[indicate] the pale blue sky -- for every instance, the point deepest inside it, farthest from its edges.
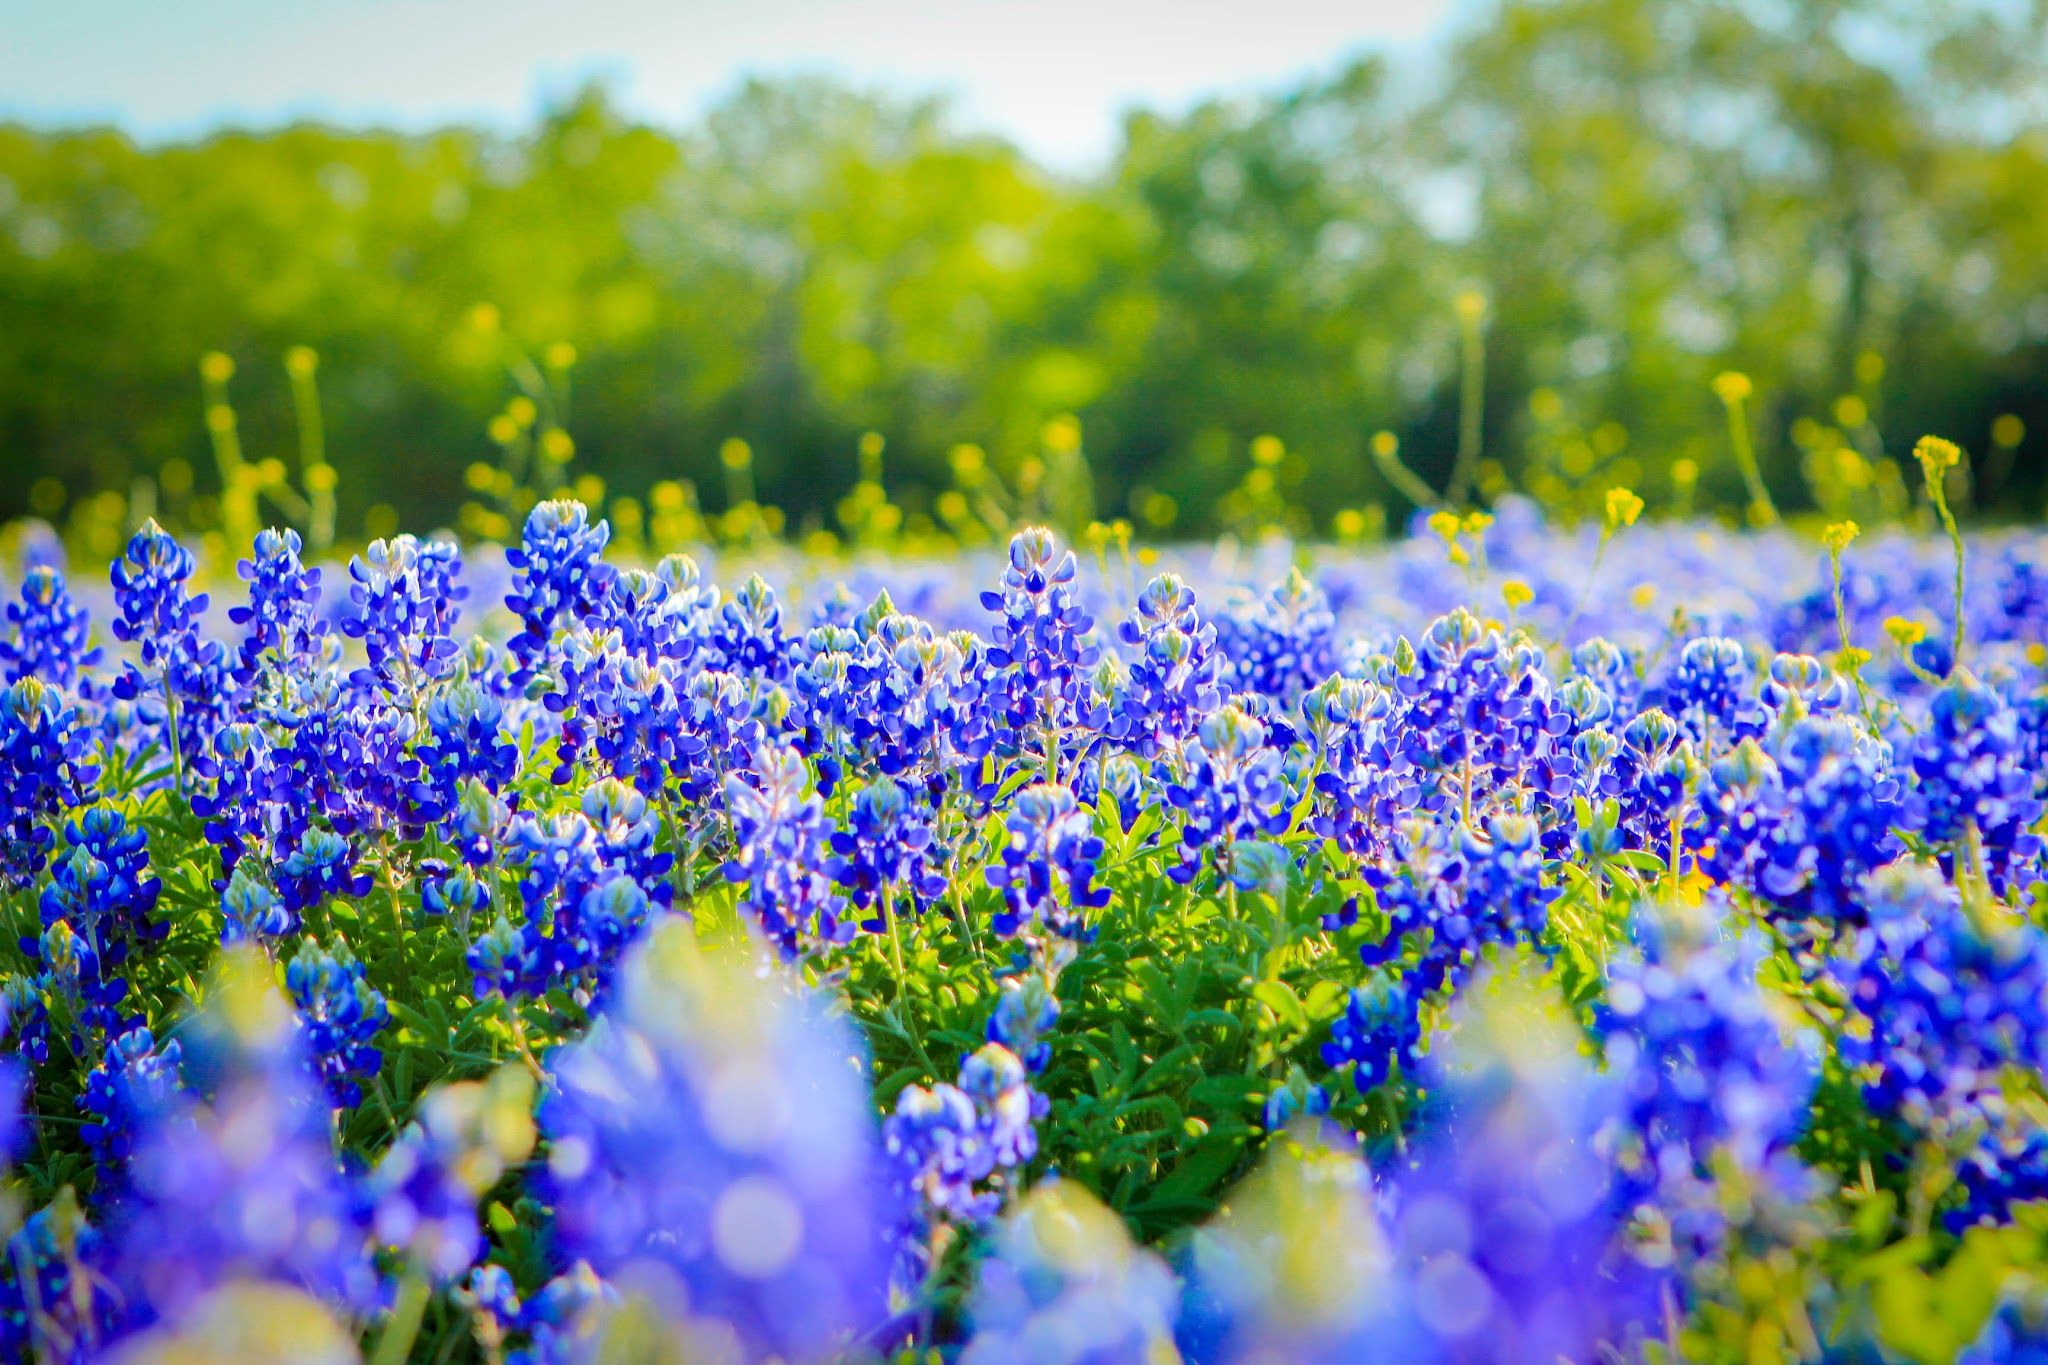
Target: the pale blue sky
(1051, 74)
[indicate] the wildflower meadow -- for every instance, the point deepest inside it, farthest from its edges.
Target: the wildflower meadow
(1535, 938)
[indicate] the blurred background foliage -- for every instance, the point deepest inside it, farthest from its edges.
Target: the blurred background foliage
(1552, 238)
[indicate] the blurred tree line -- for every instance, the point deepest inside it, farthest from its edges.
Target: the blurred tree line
(1843, 199)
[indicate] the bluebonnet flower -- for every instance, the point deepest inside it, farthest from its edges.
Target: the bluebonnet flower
(188, 674)
(47, 632)
(1613, 670)
(561, 865)
(238, 808)
(929, 711)
(1971, 793)
(1456, 892)
(505, 962)
(136, 1078)
(25, 1002)
(837, 691)
(102, 896)
(633, 712)
(465, 740)
(477, 824)
(314, 759)
(157, 615)
(381, 773)
(42, 772)
(936, 1141)
(1380, 1029)
(1283, 644)
(423, 1193)
(562, 1322)
(1707, 1075)
(237, 1178)
(590, 880)
(1295, 1098)
(783, 858)
(1051, 846)
(559, 575)
(1174, 679)
(405, 598)
(1477, 724)
(713, 1131)
(1026, 1010)
(746, 635)
(322, 866)
(339, 1017)
(1065, 1286)
(1365, 781)
(1509, 1240)
(251, 912)
(624, 825)
(55, 1303)
(999, 1084)
(731, 722)
(1234, 790)
(1940, 1007)
(1801, 685)
(281, 622)
(455, 891)
(1802, 822)
(1299, 1267)
(2008, 1165)
(1041, 651)
(885, 853)
(1650, 769)
(958, 1149)
(1712, 690)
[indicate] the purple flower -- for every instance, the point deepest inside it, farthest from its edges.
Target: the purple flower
(712, 1133)
(49, 631)
(783, 860)
(1046, 866)
(559, 575)
(339, 1016)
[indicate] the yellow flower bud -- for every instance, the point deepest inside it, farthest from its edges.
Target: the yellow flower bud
(1838, 535)
(1905, 634)
(1732, 386)
(1623, 507)
(1936, 454)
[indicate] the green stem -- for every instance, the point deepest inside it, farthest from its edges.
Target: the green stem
(1760, 502)
(396, 1343)
(519, 1044)
(1939, 494)
(398, 929)
(171, 726)
(1471, 409)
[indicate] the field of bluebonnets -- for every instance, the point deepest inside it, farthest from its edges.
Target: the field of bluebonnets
(1523, 941)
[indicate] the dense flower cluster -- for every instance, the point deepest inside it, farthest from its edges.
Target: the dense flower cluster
(821, 944)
